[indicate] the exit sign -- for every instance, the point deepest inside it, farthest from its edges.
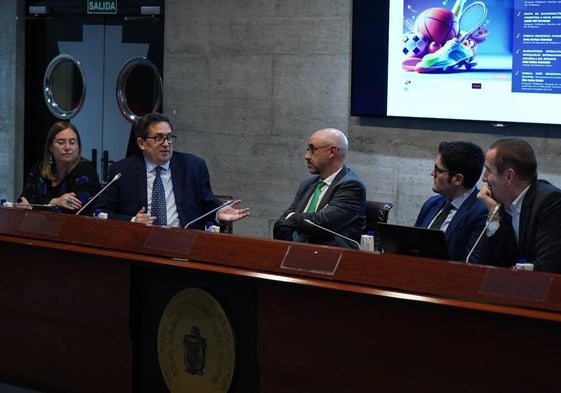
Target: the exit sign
(102, 7)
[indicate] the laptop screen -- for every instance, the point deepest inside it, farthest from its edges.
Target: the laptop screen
(415, 241)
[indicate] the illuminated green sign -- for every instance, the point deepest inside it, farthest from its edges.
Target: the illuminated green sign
(102, 7)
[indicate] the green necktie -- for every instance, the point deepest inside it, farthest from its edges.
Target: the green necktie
(441, 217)
(315, 198)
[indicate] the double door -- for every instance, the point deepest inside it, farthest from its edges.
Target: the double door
(99, 72)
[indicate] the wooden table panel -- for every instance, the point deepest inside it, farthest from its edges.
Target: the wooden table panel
(81, 299)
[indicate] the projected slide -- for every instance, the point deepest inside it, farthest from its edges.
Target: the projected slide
(536, 65)
(495, 60)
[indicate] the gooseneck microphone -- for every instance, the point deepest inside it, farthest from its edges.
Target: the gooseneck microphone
(332, 232)
(228, 202)
(115, 178)
(37, 205)
(19, 205)
(489, 220)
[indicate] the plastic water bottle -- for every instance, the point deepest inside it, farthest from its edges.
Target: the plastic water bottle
(367, 241)
(523, 265)
(210, 227)
(99, 214)
(4, 202)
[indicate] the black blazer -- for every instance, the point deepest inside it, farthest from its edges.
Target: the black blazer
(540, 232)
(341, 210)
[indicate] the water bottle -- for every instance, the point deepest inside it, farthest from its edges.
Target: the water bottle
(99, 214)
(4, 202)
(367, 241)
(210, 227)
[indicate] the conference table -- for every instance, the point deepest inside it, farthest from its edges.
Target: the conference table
(94, 305)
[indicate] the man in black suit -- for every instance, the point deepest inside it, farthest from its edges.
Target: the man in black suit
(333, 199)
(185, 180)
(529, 226)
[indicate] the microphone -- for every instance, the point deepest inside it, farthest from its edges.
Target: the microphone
(332, 232)
(489, 220)
(27, 206)
(37, 205)
(228, 202)
(115, 178)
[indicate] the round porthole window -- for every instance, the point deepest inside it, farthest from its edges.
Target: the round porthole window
(64, 86)
(139, 88)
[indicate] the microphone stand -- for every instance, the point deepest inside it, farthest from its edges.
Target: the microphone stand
(332, 232)
(45, 205)
(115, 178)
(489, 220)
(37, 205)
(29, 206)
(228, 202)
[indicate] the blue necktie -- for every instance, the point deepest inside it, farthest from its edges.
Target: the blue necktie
(159, 200)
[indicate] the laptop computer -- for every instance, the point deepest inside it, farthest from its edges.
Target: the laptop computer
(415, 241)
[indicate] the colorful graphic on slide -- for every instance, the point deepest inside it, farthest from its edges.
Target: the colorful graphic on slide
(438, 39)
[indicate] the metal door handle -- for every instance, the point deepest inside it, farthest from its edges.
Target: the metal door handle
(105, 165)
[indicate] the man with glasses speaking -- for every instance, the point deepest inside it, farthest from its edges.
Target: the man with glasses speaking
(456, 209)
(161, 187)
(329, 207)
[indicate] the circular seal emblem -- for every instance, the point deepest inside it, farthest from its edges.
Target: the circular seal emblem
(196, 347)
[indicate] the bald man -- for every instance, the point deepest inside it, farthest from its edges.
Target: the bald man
(333, 198)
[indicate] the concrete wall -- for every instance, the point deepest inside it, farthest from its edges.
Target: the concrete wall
(247, 81)
(11, 99)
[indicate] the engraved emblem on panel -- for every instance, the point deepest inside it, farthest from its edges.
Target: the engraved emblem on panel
(194, 347)
(196, 344)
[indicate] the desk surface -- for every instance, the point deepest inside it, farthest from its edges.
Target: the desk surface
(485, 288)
(90, 293)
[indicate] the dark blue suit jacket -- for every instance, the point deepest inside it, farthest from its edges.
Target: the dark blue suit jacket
(463, 230)
(341, 210)
(191, 188)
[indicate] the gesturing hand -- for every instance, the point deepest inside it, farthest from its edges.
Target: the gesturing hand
(229, 213)
(143, 218)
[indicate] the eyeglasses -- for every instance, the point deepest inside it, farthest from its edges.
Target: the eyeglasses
(160, 138)
(312, 149)
(440, 170)
(63, 142)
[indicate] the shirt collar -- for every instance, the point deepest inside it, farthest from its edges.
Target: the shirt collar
(457, 202)
(328, 180)
(150, 165)
(516, 205)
